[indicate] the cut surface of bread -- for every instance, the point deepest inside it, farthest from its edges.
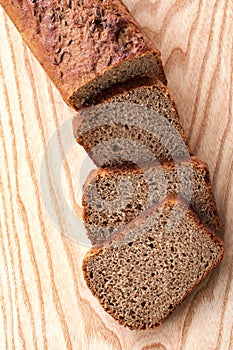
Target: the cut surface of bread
(113, 197)
(137, 90)
(146, 270)
(137, 122)
(85, 46)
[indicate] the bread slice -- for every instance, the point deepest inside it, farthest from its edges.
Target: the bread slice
(113, 197)
(141, 275)
(125, 125)
(137, 90)
(85, 46)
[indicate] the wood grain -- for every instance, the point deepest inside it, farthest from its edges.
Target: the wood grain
(44, 302)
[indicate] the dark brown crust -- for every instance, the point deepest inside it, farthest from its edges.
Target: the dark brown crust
(172, 199)
(65, 41)
(134, 169)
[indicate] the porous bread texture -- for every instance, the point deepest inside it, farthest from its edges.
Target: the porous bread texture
(144, 91)
(85, 46)
(127, 126)
(147, 269)
(113, 197)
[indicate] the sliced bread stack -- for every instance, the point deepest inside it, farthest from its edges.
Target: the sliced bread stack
(151, 215)
(148, 208)
(150, 212)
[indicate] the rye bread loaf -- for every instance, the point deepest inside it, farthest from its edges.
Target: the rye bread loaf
(147, 269)
(125, 125)
(86, 45)
(113, 197)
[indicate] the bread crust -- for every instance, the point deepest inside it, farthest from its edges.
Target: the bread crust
(78, 43)
(98, 249)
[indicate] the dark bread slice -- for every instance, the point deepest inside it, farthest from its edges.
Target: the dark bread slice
(124, 125)
(113, 197)
(131, 90)
(147, 269)
(85, 46)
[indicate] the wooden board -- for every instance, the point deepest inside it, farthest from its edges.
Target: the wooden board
(44, 302)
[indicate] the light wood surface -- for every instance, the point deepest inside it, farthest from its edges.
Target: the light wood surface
(44, 302)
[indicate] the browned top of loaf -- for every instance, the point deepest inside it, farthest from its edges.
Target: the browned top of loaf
(76, 41)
